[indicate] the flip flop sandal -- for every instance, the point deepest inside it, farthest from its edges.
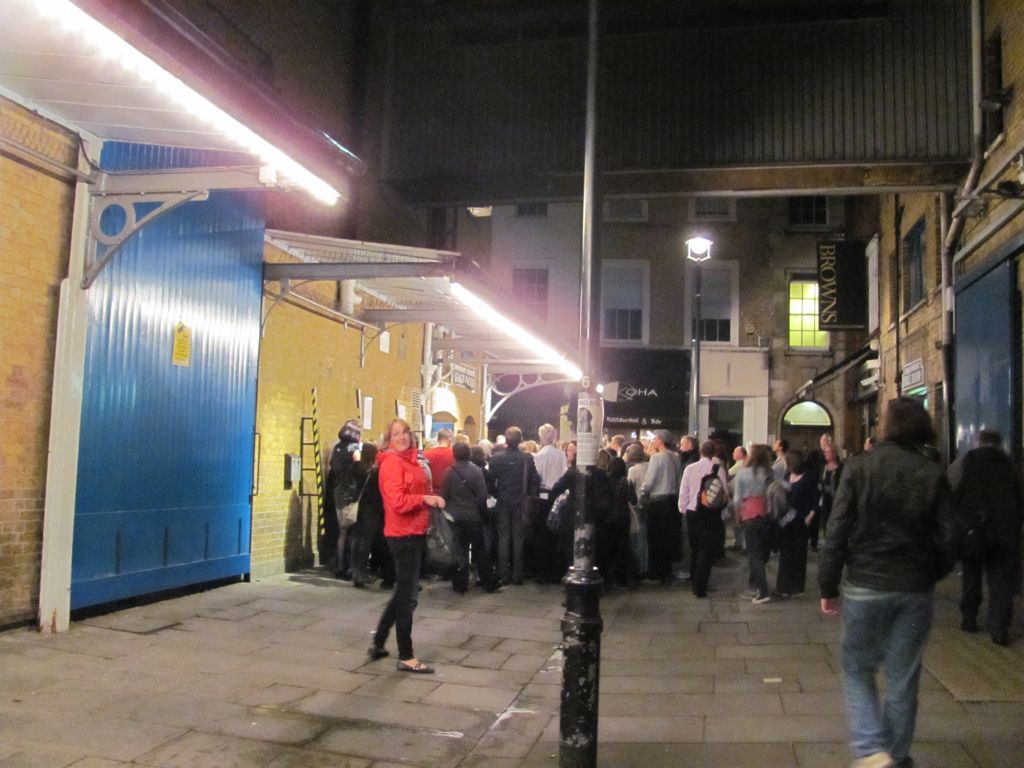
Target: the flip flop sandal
(419, 667)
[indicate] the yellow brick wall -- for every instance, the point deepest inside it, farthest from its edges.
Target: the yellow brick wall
(301, 350)
(35, 223)
(920, 329)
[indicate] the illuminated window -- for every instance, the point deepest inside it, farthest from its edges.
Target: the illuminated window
(803, 316)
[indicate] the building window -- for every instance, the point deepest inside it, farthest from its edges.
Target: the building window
(532, 210)
(715, 304)
(530, 289)
(712, 209)
(803, 316)
(808, 211)
(994, 97)
(626, 211)
(913, 266)
(623, 302)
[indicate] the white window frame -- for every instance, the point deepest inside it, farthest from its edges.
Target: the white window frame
(608, 214)
(645, 287)
(734, 316)
(535, 264)
(704, 217)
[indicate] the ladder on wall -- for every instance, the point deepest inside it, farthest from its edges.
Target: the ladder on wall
(310, 444)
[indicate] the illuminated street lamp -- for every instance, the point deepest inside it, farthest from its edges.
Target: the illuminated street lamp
(698, 250)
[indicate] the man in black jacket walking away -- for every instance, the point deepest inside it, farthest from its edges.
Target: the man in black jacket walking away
(987, 498)
(517, 481)
(894, 532)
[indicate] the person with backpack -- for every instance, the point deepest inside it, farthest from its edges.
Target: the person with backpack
(987, 501)
(751, 503)
(703, 494)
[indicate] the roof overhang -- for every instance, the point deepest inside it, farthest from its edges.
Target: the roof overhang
(138, 72)
(746, 181)
(402, 284)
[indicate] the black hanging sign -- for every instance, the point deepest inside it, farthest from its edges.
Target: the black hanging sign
(842, 285)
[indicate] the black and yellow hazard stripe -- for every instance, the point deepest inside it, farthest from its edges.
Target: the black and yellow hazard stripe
(318, 469)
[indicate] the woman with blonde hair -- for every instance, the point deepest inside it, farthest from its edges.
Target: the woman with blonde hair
(405, 490)
(751, 506)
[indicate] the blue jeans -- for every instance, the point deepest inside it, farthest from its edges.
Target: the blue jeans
(407, 552)
(883, 629)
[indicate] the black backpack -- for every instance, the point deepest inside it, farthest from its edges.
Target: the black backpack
(713, 493)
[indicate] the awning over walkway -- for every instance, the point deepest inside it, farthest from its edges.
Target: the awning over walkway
(848, 362)
(402, 284)
(139, 72)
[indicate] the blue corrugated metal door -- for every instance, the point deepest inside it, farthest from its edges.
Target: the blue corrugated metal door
(165, 464)
(985, 359)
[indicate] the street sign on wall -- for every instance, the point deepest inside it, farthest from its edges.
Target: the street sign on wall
(842, 285)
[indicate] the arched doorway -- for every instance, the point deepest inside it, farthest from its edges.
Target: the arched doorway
(803, 423)
(469, 425)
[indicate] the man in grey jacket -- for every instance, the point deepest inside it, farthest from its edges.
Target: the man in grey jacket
(893, 531)
(658, 494)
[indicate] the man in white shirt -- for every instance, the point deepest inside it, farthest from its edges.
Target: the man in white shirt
(551, 464)
(700, 522)
(658, 494)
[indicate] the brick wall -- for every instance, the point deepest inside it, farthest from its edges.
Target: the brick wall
(301, 350)
(920, 327)
(35, 223)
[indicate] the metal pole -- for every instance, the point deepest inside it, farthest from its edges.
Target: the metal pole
(582, 624)
(695, 427)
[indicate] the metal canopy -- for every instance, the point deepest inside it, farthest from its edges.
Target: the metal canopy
(403, 284)
(66, 74)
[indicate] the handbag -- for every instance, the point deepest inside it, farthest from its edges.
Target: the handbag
(443, 553)
(349, 514)
(560, 515)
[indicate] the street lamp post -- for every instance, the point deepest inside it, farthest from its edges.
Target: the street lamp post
(698, 250)
(582, 624)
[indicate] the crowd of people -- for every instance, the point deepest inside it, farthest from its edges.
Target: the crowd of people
(889, 524)
(512, 505)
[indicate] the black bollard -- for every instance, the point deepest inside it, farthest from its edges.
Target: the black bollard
(581, 640)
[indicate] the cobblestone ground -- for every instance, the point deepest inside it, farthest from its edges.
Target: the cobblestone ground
(274, 673)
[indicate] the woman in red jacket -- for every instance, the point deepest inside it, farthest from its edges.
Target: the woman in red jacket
(405, 489)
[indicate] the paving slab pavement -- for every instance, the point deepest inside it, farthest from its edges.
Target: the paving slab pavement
(274, 674)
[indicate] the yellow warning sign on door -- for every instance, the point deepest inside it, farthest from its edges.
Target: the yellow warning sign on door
(182, 352)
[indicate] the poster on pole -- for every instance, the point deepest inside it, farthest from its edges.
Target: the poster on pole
(589, 425)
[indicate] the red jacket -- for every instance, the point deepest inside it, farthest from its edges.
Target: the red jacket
(439, 458)
(403, 484)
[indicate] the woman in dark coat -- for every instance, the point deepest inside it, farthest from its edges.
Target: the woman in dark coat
(828, 482)
(465, 492)
(367, 535)
(803, 499)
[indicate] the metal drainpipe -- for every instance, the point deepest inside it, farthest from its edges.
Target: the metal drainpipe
(898, 236)
(953, 230)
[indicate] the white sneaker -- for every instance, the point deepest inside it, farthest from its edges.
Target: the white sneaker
(761, 599)
(877, 760)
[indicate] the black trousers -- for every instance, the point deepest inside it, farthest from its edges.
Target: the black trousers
(407, 552)
(471, 535)
(546, 562)
(662, 517)
(1000, 568)
(792, 578)
(702, 533)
